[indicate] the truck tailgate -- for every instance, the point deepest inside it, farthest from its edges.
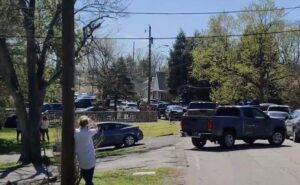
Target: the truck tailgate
(194, 123)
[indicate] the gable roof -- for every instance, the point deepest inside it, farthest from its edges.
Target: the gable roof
(160, 82)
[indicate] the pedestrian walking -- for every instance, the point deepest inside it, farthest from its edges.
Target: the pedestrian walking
(84, 148)
(18, 127)
(44, 128)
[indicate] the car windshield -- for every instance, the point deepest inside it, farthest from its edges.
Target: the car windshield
(178, 108)
(207, 105)
(277, 108)
(131, 105)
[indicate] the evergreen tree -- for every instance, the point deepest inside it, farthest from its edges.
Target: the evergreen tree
(179, 64)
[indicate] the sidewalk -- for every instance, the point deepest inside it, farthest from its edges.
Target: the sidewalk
(26, 174)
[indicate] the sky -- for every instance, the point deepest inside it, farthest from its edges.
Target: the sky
(170, 25)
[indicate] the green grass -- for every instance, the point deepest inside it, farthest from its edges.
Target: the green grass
(163, 176)
(160, 128)
(9, 144)
(8, 141)
(4, 166)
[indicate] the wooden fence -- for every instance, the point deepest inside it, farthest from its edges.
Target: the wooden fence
(122, 116)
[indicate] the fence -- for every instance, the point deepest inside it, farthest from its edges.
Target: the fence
(122, 116)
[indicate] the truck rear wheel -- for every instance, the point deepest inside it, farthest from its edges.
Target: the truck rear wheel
(198, 143)
(227, 140)
(277, 138)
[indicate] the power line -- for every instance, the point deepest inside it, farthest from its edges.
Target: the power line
(165, 38)
(171, 13)
(194, 13)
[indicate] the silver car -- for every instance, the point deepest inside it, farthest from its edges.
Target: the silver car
(293, 126)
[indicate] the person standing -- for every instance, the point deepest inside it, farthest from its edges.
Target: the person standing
(44, 127)
(84, 148)
(18, 127)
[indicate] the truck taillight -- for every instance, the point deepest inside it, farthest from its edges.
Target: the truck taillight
(181, 124)
(210, 124)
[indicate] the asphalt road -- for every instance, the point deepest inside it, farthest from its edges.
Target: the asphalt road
(258, 164)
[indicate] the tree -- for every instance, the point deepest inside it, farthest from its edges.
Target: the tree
(111, 74)
(36, 25)
(179, 64)
(248, 67)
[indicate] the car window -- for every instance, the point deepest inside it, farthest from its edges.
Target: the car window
(253, 113)
(107, 127)
(278, 108)
(228, 111)
(295, 114)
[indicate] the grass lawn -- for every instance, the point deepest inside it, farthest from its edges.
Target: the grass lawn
(8, 141)
(163, 176)
(9, 144)
(160, 128)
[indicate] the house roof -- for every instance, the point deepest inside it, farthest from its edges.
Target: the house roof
(161, 81)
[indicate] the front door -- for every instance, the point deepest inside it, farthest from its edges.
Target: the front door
(255, 123)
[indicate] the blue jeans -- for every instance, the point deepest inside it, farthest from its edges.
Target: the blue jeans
(87, 175)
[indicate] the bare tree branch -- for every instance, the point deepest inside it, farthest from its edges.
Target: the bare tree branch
(42, 59)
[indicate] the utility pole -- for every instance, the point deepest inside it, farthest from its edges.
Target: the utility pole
(133, 51)
(149, 65)
(68, 64)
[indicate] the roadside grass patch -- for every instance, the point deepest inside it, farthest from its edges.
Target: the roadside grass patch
(9, 144)
(160, 128)
(163, 176)
(5, 166)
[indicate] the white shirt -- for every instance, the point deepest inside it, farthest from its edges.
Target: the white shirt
(45, 124)
(84, 147)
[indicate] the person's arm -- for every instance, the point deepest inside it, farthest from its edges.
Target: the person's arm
(93, 128)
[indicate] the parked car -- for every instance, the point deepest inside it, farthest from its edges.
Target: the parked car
(52, 107)
(201, 108)
(264, 106)
(173, 112)
(280, 108)
(117, 134)
(231, 123)
(161, 109)
(278, 115)
(84, 102)
(128, 106)
(11, 121)
(91, 109)
(293, 126)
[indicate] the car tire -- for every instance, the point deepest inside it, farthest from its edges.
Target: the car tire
(198, 143)
(277, 138)
(249, 141)
(227, 140)
(296, 138)
(129, 140)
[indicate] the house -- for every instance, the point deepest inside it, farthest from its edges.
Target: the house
(159, 89)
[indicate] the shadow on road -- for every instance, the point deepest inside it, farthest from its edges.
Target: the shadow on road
(237, 147)
(111, 148)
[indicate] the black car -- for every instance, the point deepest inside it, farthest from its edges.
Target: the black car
(161, 108)
(117, 134)
(173, 112)
(293, 126)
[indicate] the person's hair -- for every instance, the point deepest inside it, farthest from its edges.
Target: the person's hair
(83, 121)
(45, 118)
